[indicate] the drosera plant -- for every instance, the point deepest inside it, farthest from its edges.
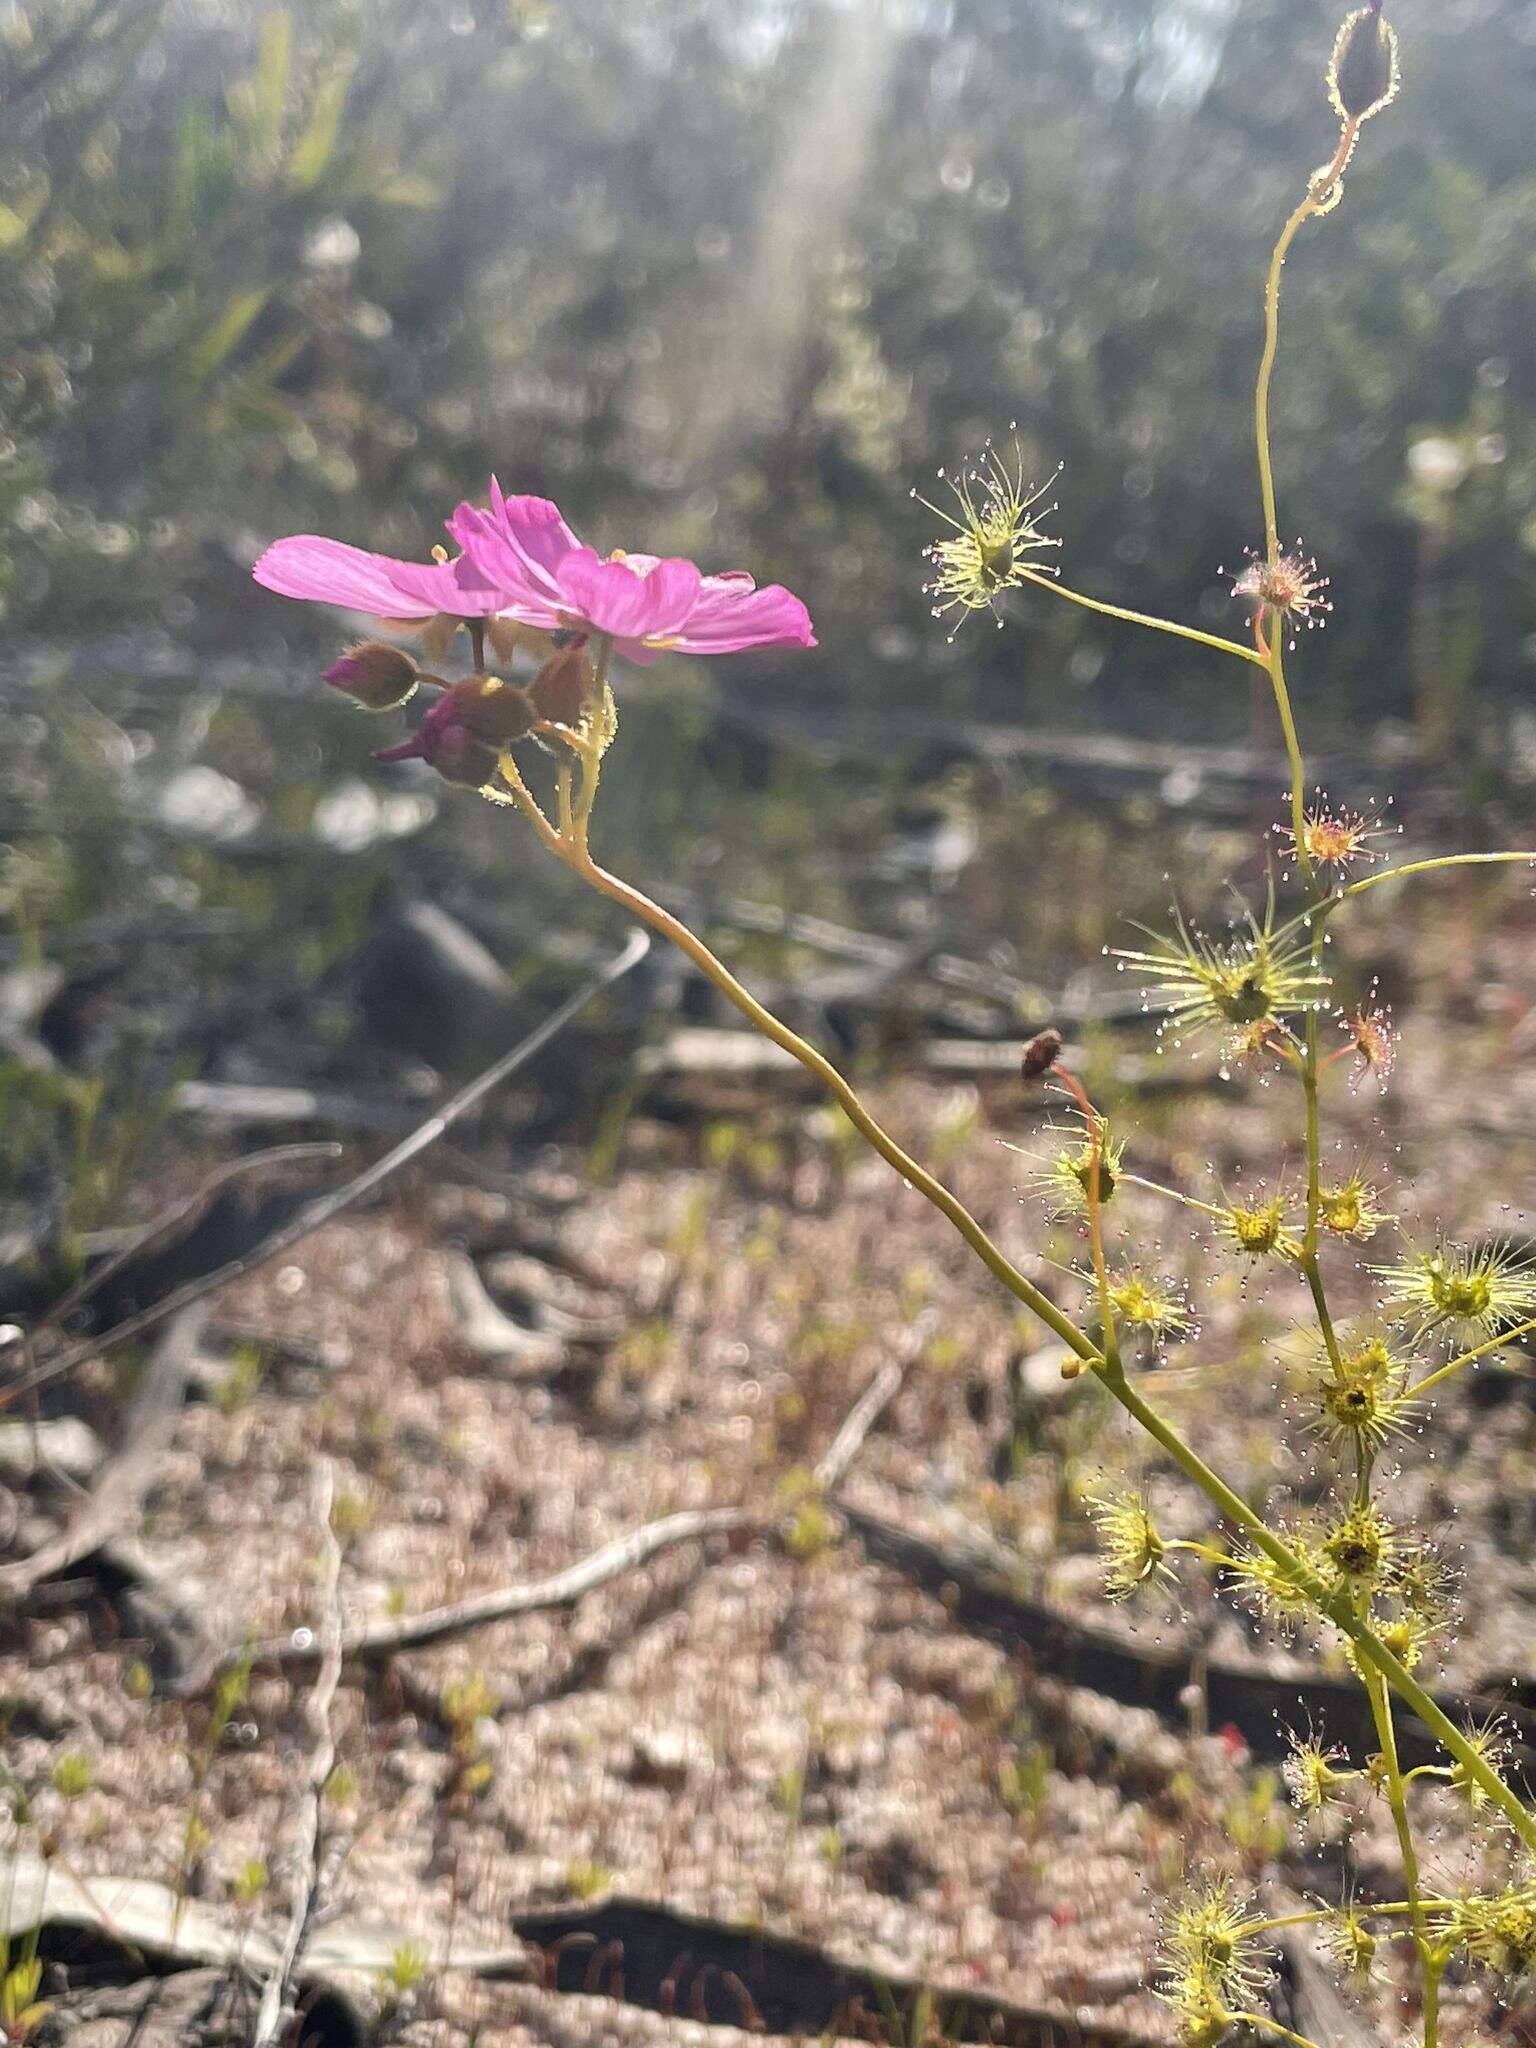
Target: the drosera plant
(523, 587)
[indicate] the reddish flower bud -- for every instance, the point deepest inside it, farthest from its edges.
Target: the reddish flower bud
(561, 687)
(446, 743)
(376, 675)
(494, 711)
(1041, 1054)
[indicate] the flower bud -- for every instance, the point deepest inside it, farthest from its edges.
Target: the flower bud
(1041, 1054)
(494, 711)
(1363, 72)
(462, 759)
(376, 675)
(447, 744)
(561, 687)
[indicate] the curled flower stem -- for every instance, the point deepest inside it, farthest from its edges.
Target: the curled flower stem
(1317, 190)
(1116, 611)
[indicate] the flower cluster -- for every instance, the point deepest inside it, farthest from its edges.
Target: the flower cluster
(521, 583)
(521, 562)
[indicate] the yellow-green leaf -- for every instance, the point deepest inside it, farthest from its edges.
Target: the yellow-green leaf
(228, 331)
(407, 188)
(274, 67)
(317, 139)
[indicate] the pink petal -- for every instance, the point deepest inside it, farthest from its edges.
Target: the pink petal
(460, 587)
(613, 597)
(330, 572)
(728, 621)
(519, 544)
(535, 529)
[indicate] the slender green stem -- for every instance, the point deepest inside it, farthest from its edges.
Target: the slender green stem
(1443, 1372)
(1275, 663)
(1397, 1800)
(1155, 1187)
(1091, 1125)
(1267, 371)
(1263, 2024)
(1384, 1668)
(1424, 867)
(1228, 1503)
(1207, 1551)
(1319, 1914)
(1117, 611)
(997, 1263)
(1317, 913)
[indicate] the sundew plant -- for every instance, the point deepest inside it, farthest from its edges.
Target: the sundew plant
(562, 620)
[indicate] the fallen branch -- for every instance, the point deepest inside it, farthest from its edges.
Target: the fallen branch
(664, 1958)
(325, 1207)
(147, 1918)
(277, 2008)
(440, 1624)
(377, 1640)
(832, 1467)
(158, 1227)
(119, 1488)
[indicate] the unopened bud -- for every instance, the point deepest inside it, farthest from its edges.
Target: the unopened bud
(376, 675)
(494, 711)
(446, 743)
(1071, 1367)
(460, 758)
(560, 689)
(1363, 72)
(1041, 1054)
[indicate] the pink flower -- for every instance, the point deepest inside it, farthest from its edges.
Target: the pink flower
(521, 561)
(329, 572)
(647, 603)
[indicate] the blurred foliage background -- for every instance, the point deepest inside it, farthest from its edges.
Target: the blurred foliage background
(728, 276)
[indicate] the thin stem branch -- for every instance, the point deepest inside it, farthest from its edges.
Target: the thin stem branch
(1093, 1129)
(1265, 2025)
(1424, 867)
(1397, 1800)
(1443, 1372)
(1117, 611)
(997, 1263)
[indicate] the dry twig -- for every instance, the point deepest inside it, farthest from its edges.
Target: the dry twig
(123, 1480)
(276, 2009)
